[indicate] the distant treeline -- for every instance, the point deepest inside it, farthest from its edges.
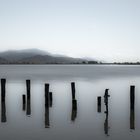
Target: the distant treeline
(24, 63)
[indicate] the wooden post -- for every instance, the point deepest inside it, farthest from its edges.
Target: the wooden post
(132, 107)
(50, 99)
(132, 97)
(3, 83)
(28, 88)
(99, 104)
(73, 90)
(106, 127)
(47, 95)
(47, 122)
(23, 102)
(74, 102)
(106, 100)
(3, 106)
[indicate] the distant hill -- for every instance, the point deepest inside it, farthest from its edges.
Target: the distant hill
(13, 55)
(35, 56)
(3, 61)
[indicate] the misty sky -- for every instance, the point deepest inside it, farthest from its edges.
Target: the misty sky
(103, 29)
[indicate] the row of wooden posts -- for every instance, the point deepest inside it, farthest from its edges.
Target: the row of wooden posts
(49, 102)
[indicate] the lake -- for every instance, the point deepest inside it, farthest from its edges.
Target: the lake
(62, 121)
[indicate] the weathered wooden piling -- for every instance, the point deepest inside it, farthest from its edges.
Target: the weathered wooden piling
(47, 95)
(99, 104)
(74, 102)
(3, 91)
(132, 107)
(73, 90)
(106, 127)
(106, 100)
(3, 105)
(28, 88)
(132, 97)
(50, 99)
(24, 102)
(47, 122)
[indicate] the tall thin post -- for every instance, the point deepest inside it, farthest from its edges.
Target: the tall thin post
(132, 107)
(73, 90)
(3, 83)
(74, 102)
(3, 105)
(47, 122)
(28, 88)
(106, 127)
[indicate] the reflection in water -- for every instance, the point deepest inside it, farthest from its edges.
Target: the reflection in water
(28, 112)
(132, 119)
(74, 110)
(3, 112)
(106, 127)
(49, 102)
(132, 107)
(3, 106)
(47, 121)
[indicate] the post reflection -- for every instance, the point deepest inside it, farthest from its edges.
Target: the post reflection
(74, 110)
(3, 112)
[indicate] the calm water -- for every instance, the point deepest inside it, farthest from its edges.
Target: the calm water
(90, 82)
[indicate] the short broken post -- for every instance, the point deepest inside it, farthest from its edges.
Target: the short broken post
(28, 88)
(99, 104)
(50, 99)
(132, 107)
(24, 102)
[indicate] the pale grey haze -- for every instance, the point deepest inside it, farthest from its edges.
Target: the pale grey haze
(106, 30)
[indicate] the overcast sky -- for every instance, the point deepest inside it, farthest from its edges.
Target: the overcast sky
(103, 29)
